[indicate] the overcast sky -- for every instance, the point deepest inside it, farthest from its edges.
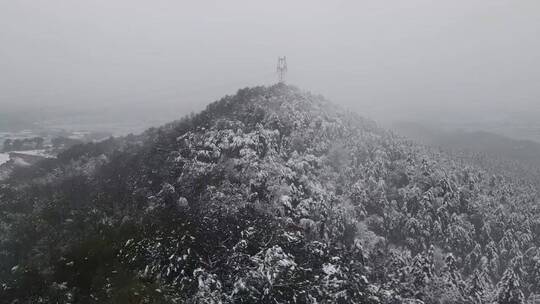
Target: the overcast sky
(394, 57)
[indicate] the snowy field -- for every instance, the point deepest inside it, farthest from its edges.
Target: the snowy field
(42, 153)
(4, 157)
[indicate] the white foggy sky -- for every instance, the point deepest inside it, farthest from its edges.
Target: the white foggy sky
(391, 57)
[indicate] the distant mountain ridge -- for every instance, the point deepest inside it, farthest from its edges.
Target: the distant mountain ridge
(473, 141)
(271, 195)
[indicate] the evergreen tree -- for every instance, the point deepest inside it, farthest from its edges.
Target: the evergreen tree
(509, 291)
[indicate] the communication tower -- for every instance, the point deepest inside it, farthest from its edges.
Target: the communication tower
(281, 69)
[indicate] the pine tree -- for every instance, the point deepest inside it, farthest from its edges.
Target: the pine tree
(508, 289)
(478, 287)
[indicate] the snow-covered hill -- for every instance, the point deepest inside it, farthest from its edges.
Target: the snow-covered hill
(272, 195)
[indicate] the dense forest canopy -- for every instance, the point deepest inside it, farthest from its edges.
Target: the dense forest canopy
(272, 195)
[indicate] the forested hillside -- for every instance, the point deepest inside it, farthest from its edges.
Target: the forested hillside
(272, 195)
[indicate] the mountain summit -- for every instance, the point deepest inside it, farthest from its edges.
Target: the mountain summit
(272, 195)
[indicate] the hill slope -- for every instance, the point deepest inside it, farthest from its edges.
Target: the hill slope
(272, 195)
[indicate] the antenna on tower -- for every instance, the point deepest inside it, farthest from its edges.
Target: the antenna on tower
(281, 68)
